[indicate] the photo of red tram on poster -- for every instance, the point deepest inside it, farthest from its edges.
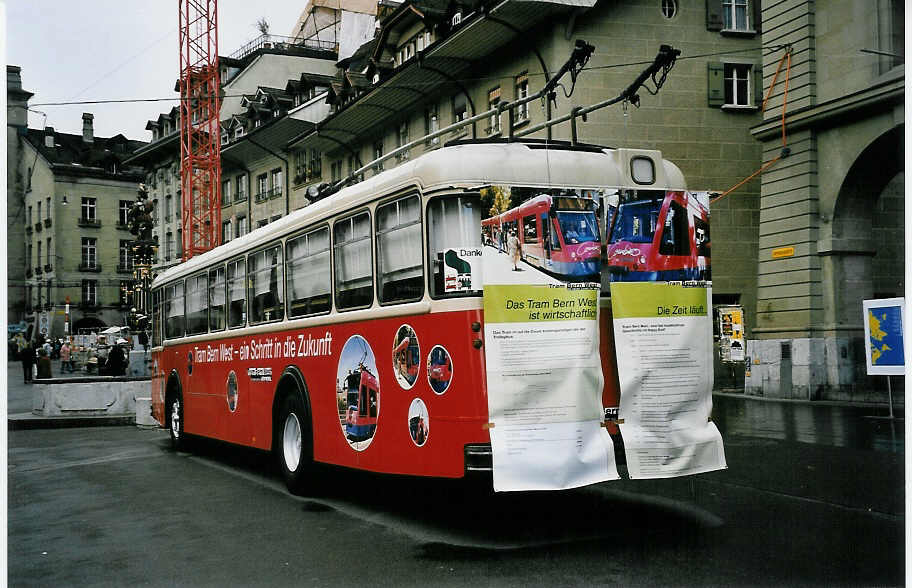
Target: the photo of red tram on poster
(655, 236)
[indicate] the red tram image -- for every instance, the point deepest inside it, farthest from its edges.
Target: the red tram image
(557, 234)
(658, 236)
(361, 414)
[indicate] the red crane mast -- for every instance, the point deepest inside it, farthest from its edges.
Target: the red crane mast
(200, 132)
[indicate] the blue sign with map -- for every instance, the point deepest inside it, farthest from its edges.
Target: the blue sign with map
(884, 353)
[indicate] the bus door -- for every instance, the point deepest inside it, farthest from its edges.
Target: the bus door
(545, 220)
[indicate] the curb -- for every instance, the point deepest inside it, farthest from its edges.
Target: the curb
(21, 422)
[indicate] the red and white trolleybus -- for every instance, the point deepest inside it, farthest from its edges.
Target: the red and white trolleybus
(304, 336)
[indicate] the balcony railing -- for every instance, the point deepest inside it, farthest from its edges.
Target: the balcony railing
(48, 268)
(47, 222)
(89, 222)
(240, 197)
(279, 42)
(125, 269)
(121, 226)
(38, 270)
(275, 192)
(261, 197)
(38, 227)
(89, 267)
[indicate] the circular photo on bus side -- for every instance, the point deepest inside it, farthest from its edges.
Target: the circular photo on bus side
(439, 369)
(406, 356)
(232, 391)
(358, 392)
(418, 422)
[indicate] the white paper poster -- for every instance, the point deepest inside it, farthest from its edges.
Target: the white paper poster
(663, 338)
(544, 379)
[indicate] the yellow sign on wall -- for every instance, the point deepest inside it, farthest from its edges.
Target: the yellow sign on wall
(783, 252)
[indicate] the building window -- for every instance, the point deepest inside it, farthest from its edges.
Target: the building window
(336, 170)
(125, 259)
(226, 192)
(431, 124)
(38, 216)
(494, 120)
(890, 34)
(353, 165)
(402, 138)
(241, 226)
(123, 212)
(90, 292)
(378, 153)
(28, 217)
(315, 170)
(226, 231)
(167, 207)
(737, 84)
(300, 166)
(169, 246)
(89, 208)
(241, 188)
(669, 8)
(50, 257)
(521, 88)
(734, 15)
(47, 211)
(460, 110)
(89, 252)
(38, 259)
(277, 183)
(262, 187)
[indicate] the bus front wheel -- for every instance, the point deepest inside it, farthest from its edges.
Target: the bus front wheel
(293, 448)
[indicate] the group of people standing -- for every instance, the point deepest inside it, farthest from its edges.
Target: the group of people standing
(36, 359)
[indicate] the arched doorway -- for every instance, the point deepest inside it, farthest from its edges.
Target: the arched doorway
(88, 324)
(868, 231)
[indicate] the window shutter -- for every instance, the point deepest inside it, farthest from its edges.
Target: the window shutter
(757, 70)
(714, 15)
(716, 85)
(757, 16)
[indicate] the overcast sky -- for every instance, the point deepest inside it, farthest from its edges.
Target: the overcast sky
(71, 50)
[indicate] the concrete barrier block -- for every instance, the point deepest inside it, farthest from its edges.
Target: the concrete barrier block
(144, 412)
(96, 396)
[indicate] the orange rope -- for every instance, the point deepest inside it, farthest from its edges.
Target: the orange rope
(787, 59)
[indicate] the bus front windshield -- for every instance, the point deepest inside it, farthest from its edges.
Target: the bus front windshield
(636, 222)
(577, 226)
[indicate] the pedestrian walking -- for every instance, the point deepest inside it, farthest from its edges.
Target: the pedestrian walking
(116, 364)
(66, 364)
(27, 357)
(44, 364)
(514, 249)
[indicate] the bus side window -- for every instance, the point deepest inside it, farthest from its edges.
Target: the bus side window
(353, 262)
(530, 229)
(454, 222)
(237, 298)
(309, 276)
(401, 275)
(266, 285)
(156, 318)
(174, 310)
(217, 299)
(197, 311)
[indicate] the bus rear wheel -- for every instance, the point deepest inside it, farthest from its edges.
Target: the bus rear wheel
(293, 446)
(175, 418)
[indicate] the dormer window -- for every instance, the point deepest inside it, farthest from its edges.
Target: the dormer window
(457, 18)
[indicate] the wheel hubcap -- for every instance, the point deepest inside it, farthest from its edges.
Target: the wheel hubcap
(291, 442)
(175, 418)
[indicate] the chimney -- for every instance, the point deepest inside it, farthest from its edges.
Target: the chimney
(49, 137)
(88, 134)
(13, 77)
(16, 99)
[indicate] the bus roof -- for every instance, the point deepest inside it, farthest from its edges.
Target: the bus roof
(463, 166)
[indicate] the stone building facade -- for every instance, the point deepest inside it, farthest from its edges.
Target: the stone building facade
(831, 218)
(70, 195)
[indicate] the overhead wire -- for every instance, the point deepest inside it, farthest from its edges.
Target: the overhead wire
(416, 84)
